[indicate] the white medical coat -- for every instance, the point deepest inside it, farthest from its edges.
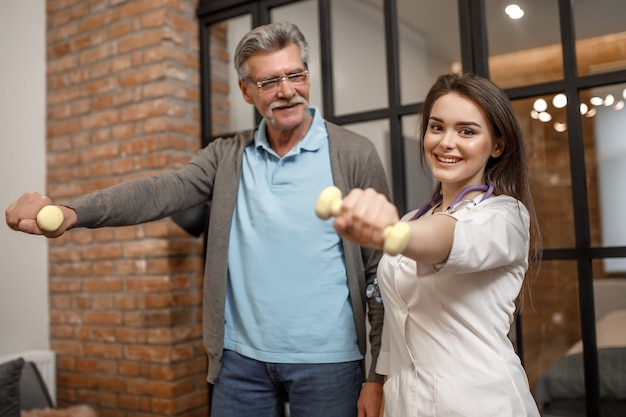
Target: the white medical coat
(445, 347)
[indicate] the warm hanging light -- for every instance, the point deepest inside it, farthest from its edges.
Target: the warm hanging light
(596, 101)
(560, 126)
(583, 109)
(540, 105)
(545, 116)
(609, 100)
(559, 101)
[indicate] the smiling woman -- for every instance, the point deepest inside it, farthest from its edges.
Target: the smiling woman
(458, 142)
(469, 248)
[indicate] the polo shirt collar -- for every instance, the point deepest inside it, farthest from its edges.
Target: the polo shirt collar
(312, 141)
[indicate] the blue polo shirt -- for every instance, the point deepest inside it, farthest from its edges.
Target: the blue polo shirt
(287, 299)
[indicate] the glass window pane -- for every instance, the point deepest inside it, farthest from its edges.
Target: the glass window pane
(378, 132)
(304, 15)
(550, 322)
(565, 355)
(425, 50)
(604, 124)
(549, 167)
(229, 111)
(358, 56)
(527, 50)
(609, 290)
(600, 36)
(419, 182)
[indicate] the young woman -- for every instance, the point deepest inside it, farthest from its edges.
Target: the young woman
(450, 296)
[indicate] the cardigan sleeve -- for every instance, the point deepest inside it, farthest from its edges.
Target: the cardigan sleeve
(146, 199)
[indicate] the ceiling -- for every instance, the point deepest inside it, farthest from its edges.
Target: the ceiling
(538, 27)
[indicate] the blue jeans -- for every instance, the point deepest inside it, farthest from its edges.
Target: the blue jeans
(247, 387)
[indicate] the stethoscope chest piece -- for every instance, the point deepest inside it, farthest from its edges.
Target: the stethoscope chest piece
(373, 291)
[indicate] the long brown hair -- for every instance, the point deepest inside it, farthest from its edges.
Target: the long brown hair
(509, 172)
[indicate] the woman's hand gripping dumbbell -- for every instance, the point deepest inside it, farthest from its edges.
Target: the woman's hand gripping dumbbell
(395, 237)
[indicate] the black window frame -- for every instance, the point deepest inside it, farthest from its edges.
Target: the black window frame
(474, 56)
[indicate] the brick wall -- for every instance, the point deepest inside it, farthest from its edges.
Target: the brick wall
(125, 303)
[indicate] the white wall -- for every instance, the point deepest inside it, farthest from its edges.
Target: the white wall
(24, 259)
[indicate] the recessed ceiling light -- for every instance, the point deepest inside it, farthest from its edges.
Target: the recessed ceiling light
(514, 11)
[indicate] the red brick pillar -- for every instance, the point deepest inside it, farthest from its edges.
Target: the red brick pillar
(125, 303)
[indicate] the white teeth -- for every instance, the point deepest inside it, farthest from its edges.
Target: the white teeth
(447, 160)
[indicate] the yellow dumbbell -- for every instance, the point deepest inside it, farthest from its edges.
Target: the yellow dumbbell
(395, 237)
(50, 218)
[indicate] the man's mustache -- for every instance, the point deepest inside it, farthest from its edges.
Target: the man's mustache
(285, 103)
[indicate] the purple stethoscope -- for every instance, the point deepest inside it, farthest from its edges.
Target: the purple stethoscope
(372, 289)
(437, 199)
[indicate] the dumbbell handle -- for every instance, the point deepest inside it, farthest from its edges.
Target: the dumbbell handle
(395, 237)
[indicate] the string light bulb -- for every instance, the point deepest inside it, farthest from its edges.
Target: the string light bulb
(559, 101)
(560, 127)
(545, 116)
(540, 105)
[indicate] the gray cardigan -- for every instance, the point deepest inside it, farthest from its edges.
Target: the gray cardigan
(213, 175)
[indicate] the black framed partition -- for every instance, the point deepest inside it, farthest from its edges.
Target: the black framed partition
(563, 64)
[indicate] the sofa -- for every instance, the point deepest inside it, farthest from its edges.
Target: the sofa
(23, 393)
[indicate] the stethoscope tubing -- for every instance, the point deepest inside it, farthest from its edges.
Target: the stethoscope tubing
(373, 290)
(437, 199)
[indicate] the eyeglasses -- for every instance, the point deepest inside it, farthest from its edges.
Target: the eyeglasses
(272, 84)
